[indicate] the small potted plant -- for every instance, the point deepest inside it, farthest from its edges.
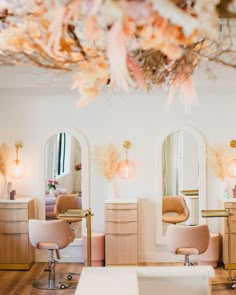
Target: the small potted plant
(52, 183)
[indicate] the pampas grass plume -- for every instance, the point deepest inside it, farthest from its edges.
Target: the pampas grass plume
(218, 157)
(3, 160)
(107, 158)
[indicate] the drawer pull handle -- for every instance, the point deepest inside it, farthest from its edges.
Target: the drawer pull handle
(120, 221)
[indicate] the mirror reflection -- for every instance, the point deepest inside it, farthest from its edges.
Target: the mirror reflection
(180, 175)
(62, 172)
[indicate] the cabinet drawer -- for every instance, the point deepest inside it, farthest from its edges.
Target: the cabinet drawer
(14, 248)
(233, 226)
(13, 205)
(233, 216)
(121, 249)
(121, 206)
(121, 215)
(16, 214)
(233, 247)
(121, 227)
(14, 227)
(230, 205)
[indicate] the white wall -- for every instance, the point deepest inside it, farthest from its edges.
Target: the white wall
(32, 112)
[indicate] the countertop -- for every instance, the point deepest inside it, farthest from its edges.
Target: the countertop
(17, 200)
(124, 280)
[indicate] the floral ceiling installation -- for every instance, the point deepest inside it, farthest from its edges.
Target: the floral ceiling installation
(121, 45)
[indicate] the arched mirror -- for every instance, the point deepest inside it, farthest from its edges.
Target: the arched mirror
(63, 172)
(182, 171)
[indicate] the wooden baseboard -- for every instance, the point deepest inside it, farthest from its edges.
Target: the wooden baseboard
(233, 266)
(16, 266)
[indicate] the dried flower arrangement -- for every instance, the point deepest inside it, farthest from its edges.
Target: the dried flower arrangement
(3, 160)
(117, 44)
(218, 157)
(107, 158)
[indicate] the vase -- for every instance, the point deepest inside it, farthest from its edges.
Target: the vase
(52, 191)
(5, 194)
(110, 190)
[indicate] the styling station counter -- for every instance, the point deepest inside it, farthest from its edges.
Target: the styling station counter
(151, 280)
(121, 232)
(16, 249)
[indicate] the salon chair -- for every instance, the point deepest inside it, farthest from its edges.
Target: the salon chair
(52, 235)
(187, 240)
(65, 202)
(174, 209)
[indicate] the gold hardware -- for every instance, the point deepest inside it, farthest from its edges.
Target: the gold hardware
(127, 144)
(233, 143)
(19, 145)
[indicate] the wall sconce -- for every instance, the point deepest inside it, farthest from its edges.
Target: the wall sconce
(17, 167)
(126, 168)
(231, 167)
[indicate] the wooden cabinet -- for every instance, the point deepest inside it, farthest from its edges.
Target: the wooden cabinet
(224, 230)
(16, 252)
(121, 228)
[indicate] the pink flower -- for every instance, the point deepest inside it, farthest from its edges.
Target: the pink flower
(52, 183)
(78, 167)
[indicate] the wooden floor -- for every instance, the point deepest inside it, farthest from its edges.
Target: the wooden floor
(20, 282)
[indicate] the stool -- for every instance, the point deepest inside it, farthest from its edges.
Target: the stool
(212, 254)
(97, 248)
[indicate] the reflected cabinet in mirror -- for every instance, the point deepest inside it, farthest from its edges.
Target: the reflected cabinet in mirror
(182, 187)
(63, 176)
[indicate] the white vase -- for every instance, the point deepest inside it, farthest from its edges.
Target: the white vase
(5, 193)
(110, 191)
(52, 191)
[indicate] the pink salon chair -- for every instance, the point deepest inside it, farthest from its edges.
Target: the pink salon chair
(52, 235)
(174, 209)
(65, 202)
(187, 240)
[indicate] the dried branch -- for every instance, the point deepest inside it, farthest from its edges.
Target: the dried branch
(218, 156)
(3, 160)
(71, 31)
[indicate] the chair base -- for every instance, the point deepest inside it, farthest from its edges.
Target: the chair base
(50, 285)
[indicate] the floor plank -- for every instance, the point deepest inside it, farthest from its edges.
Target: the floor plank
(20, 282)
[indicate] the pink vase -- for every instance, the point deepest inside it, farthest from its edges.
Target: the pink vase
(234, 192)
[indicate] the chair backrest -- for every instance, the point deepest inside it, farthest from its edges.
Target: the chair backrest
(50, 231)
(64, 202)
(183, 236)
(174, 204)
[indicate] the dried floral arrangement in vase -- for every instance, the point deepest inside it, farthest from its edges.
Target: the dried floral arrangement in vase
(107, 158)
(218, 156)
(4, 151)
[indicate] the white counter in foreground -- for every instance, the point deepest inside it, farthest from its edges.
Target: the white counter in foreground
(178, 280)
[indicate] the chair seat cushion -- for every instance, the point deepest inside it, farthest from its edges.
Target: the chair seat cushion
(48, 245)
(187, 251)
(173, 218)
(69, 219)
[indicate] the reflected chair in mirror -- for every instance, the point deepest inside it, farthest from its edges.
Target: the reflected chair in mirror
(51, 235)
(174, 209)
(187, 240)
(65, 202)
